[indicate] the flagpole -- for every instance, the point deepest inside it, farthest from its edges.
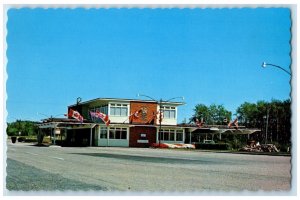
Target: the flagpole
(160, 112)
(160, 119)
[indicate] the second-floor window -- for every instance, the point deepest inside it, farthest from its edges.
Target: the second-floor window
(118, 110)
(169, 112)
(103, 109)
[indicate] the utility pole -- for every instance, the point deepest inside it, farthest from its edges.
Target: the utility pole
(267, 124)
(160, 119)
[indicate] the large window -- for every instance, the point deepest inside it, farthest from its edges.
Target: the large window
(118, 133)
(118, 109)
(171, 135)
(169, 112)
(103, 109)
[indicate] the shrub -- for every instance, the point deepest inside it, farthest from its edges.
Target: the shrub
(13, 139)
(21, 139)
(30, 140)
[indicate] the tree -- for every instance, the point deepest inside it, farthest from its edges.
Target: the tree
(273, 118)
(214, 114)
(24, 127)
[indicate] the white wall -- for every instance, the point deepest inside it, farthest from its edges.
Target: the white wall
(113, 142)
(118, 119)
(168, 121)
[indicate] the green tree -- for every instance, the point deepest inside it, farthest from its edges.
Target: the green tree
(272, 118)
(24, 127)
(213, 114)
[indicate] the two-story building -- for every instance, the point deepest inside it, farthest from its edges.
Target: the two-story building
(133, 123)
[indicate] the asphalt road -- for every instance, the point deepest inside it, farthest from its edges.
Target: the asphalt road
(111, 169)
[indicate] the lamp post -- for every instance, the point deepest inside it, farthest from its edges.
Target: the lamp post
(267, 124)
(264, 65)
(160, 110)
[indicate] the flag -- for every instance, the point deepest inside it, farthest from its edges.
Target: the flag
(160, 116)
(235, 122)
(156, 115)
(101, 116)
(152, 119)
(135, 115)
(198, 123)
(75, 114)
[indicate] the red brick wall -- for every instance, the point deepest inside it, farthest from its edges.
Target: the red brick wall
(146, 112)
(135, 135)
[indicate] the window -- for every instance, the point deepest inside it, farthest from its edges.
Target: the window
(118, 109)
(103, 109)
(165, 135)
(112, 134)
(143, 136)
(171, 135)
(118, 133)
(103, 132)
(179, 135)
(169, 112)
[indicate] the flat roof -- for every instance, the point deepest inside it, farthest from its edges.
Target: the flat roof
(127, 100)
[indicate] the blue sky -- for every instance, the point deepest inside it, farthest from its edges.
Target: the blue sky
(206, 55)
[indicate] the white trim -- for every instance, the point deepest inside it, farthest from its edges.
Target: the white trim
(125, 100)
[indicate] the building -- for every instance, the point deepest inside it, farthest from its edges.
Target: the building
(128, 123)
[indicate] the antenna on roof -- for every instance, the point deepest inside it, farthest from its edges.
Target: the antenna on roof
(78, 100)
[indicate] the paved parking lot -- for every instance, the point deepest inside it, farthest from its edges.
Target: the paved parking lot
(112, 169)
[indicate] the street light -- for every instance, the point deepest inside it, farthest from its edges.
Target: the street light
(264, 65)
(160, 110)
(267, 123)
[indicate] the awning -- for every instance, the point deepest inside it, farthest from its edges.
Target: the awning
(67, 125)
(216, 130)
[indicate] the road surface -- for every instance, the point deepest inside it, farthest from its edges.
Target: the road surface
(113, 169)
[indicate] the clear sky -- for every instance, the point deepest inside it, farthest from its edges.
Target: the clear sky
(206, 55)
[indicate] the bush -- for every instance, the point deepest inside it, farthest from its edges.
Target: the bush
(13, 139)
(30, 140)
(21, 139)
